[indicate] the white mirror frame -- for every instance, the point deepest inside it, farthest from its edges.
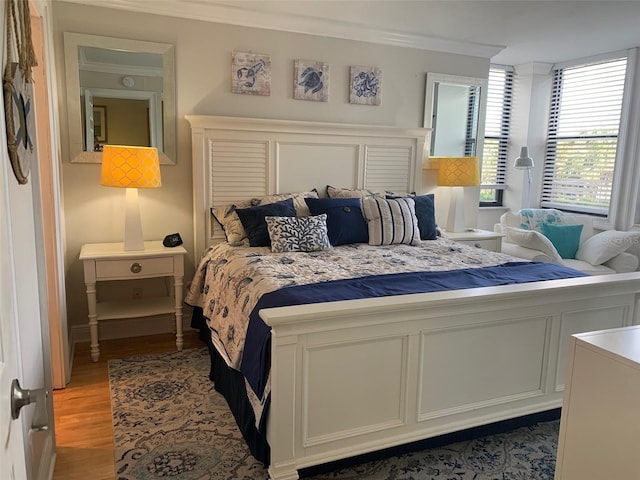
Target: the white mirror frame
(75, 125)
(435, 78)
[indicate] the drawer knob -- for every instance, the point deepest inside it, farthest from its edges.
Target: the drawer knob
(136, 267)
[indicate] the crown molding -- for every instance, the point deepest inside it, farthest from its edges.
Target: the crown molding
(237, 14)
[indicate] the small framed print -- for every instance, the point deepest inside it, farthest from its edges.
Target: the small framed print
(311, 81)
(100, 123)
(251, 73)
(366, 84)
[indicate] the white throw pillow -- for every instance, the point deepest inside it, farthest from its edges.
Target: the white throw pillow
(391, 221)
(623, 263)
(605, 245)
(534, 240)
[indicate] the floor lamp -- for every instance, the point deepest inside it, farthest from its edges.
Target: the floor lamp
(131, 168)
(525, 162)
(458, 172)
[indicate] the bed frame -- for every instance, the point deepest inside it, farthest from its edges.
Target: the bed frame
(357, 376)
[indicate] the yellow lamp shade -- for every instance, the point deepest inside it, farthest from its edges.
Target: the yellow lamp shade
(130, 167)
(458, 171)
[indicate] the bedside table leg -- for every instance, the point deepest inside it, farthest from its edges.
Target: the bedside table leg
(178, 298)
(93, 321)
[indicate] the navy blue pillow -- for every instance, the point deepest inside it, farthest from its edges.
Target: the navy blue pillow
(252, 219)
(425, 213)
(345, 222)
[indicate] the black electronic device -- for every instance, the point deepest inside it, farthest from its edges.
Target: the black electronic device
(172, 240)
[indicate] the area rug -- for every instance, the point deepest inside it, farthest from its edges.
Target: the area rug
(170, 423)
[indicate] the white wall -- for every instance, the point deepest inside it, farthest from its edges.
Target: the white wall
(203, 58)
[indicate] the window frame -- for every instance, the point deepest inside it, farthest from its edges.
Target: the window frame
(553, 138)
(502, 138)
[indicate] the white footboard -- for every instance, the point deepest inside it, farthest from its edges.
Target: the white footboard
(357, 376)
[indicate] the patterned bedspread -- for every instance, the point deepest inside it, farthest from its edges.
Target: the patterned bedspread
(230, 280)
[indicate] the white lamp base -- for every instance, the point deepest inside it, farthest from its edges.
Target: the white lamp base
(133, 239)
(455, 220)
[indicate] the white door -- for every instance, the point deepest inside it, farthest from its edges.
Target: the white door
(26, 449)
(12, 450)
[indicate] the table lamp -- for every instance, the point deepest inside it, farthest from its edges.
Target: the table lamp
(525, 162)
(131, 168)
(458, 172)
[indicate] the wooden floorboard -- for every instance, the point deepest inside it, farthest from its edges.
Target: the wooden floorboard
(84, 432)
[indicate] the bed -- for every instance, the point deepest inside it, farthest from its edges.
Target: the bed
(356, 375)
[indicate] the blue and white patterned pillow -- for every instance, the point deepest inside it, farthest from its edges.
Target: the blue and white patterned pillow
(298, 234)
(391, 221)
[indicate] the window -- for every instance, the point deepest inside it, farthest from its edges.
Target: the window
(496, 136)
(584, 120)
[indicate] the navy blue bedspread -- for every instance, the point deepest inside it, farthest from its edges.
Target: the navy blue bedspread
(257, 350)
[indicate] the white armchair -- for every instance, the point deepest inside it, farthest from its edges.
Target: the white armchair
(582, 249)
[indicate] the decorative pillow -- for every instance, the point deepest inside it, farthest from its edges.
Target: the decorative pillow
(345, 220)
(254, 224)
(231, 224)
(298, 234)
(605, 245)
(425, 213)
(333, 192)
(399, 194)
(566, 238)
(534, 218)
(623, 263)
(391, 220)
(534, 240)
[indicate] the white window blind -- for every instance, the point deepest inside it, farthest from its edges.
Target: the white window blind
(496, 136)
(582, 142)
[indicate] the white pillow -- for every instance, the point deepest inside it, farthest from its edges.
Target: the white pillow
(605, 245)
(534, 240)
(623, 263)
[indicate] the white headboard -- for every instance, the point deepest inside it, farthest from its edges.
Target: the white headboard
(239, 158)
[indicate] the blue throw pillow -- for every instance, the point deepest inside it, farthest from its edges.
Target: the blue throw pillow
(252, 219)
(425, 213)
(345, 222)
(566, 238)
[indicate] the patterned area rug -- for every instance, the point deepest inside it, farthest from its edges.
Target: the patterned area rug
(170, 423)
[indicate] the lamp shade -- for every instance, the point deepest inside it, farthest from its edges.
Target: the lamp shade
(130, 167)
(524, 161)
(458, 171)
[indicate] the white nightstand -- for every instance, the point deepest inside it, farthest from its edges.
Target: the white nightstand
(109, 261)
(478, 238)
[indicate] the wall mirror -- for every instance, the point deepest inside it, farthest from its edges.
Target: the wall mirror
(455, 110)
(120, 92)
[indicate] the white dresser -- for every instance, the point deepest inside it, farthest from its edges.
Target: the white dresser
(600, 423)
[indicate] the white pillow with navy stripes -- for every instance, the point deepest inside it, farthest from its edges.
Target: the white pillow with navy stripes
(391, 220)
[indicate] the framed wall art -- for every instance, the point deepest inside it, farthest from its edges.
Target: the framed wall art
(366, 84)
(311, 81)
(100, 123)
(251, 73)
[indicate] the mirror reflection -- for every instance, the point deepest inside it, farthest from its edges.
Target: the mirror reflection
(119, 92)
(454, 111)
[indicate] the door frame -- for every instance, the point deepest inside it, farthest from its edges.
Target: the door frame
(51, 196)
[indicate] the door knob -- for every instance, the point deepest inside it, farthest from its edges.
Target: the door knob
(21, 397)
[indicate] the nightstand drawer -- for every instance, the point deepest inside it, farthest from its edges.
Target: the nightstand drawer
(142, 267)
(486, 244)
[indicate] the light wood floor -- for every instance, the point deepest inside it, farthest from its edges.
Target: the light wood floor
(84, 432)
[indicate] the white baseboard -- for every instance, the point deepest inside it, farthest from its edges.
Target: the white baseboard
(130, 327)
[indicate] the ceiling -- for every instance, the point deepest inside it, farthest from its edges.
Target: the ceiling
(507, 32)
